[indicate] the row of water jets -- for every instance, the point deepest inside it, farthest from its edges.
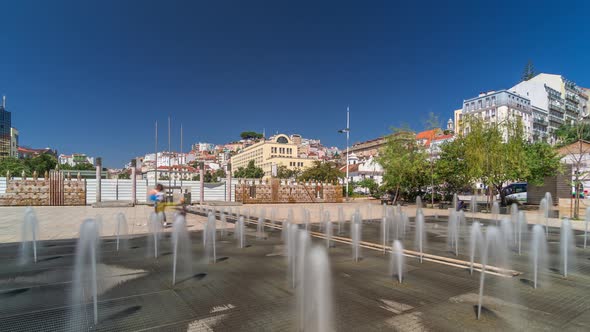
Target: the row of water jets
(491, 245)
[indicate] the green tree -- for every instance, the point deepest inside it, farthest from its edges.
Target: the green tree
(251, 135)
(451, 170)
(220, 173)
(369, 184)
(529, 72)
(543, 161)
(41, 163)
(322, 172)
(496, 153)
(77, 167)
(250, 172)
(283, 172)
(405, 164)
(124, 175)
(568, 134)
(14, 166)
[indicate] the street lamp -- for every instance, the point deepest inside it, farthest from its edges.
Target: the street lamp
(347, 131)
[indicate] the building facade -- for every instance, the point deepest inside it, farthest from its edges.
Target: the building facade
(269, 154)
(498, 107)
(13, 142)
(75, 159)
(5, 126)
(555, 100)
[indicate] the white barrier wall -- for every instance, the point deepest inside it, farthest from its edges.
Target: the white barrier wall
(120, 189)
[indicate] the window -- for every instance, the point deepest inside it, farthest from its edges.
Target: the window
(493, 100)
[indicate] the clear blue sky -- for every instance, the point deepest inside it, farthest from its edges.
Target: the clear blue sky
(93, 76)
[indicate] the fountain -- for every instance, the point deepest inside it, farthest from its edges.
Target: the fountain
(473, 207)
(321, 217)
(328, 230)
(30, 228)
(494, 248)
(121, 227)
(586, 227)
(314, 291)
(420, 236)
(85, 266)
(209, 235)
(567, 246)
(341, 220)
(260, 224)
(495, 212)
(547, 207)
(521, 227)
(539, 253)
(514, 219)
(369, 211)
(475, 242)
(273, 217)
(295, 247)
(418, 203)
(356, 234)
(181, 239)
(507, 231)
(286, 223)
(306, 218)
(405, 221)
(223, 222)
(453, 231)
(241, 232)
(455, 202)
(384, 232)
(155, 228)
(397, 260)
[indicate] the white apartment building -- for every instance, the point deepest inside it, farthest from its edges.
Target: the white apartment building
(555, 101)
(75, 159)
(498, 107)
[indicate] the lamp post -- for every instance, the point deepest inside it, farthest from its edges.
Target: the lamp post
(347, 131)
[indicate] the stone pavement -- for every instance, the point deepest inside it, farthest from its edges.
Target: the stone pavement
(248, 289)
(64, 222)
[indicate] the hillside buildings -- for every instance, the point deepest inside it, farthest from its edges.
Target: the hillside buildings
(269, 154)
(543, 104)
(75, 159)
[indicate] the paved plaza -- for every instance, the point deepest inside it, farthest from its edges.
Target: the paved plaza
(248, 290)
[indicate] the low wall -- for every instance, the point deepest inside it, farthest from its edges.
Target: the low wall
(277, 191)
(36, 192)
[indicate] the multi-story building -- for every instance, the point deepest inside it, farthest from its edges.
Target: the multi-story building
(269, 154)
(498, 107)
(5, 126)
(556, 101)
(75, 159)
(458, 115)
(13, 142)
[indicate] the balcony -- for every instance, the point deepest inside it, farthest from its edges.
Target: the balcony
(557, 120)
(555, 106)
(540, 120)
(572, 98)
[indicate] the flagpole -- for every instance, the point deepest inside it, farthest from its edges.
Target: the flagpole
(347, 137)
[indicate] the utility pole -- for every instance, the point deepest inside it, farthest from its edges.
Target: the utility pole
(169, 164)
(156, 156)
(347, 131)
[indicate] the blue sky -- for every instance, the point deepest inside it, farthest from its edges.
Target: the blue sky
(93, 76)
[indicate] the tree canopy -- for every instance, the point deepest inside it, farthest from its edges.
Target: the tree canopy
(283, 172)
(529, 71)
(322, 172)
(405, 164)
(250, 172)
(77, 167)
(251, 135)
(41, 163)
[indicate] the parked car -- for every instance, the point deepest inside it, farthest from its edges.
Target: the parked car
(517, 191)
